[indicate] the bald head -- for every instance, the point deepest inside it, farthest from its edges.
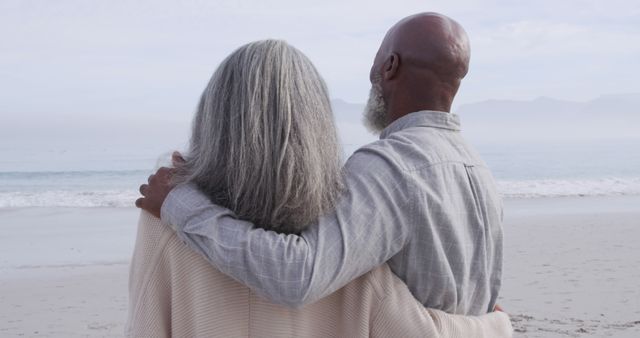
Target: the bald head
(431, 41)
(420, 64)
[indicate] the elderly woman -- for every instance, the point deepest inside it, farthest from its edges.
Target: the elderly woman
(264, 145)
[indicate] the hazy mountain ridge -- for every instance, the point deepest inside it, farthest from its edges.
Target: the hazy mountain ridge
(618, 104)
(539, 120)
(606, 117)
(615, 116)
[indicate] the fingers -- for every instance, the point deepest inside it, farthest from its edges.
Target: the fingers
(140, 202)
(165, 173)
(158, 185)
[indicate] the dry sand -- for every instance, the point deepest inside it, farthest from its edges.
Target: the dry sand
(571, 269)
(65, 301)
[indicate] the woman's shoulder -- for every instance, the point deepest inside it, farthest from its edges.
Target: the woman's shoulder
(151, 240)
(153, 235)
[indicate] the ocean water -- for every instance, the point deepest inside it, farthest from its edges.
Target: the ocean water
(564, 169)
(86, 178)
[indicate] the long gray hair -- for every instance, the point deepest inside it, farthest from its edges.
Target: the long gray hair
(264, 143)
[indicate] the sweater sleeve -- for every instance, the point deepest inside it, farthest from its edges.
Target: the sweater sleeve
(400, 315)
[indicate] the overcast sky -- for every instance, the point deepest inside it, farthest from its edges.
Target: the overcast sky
(139, 58)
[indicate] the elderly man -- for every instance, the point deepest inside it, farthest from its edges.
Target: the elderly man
(419, 198)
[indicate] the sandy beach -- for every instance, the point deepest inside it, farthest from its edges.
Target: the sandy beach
(64, 271)
(571, 269)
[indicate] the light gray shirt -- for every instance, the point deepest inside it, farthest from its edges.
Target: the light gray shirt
(419, 198)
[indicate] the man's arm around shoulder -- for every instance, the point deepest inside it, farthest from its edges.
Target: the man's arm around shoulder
(368, 226)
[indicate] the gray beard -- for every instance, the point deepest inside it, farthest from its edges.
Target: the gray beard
(375, 112)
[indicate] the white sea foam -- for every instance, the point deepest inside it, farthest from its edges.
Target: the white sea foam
(567, 188)
(508, 188)
(69, 198)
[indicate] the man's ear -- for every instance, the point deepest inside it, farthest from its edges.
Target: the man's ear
(391, 66)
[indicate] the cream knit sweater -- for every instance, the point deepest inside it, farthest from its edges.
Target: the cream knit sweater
(174, 292)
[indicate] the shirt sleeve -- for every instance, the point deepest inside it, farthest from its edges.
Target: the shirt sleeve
(369, 225)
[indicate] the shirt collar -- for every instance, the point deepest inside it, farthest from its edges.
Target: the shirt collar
(423, 118)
